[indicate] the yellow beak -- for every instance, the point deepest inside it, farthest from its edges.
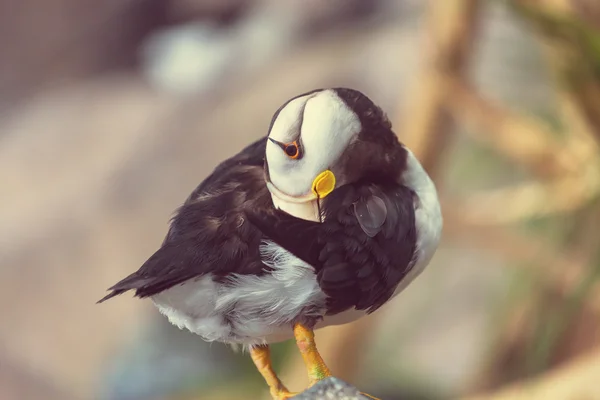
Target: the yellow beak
(324, 184)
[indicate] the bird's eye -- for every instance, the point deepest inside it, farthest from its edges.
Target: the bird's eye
(292, 150)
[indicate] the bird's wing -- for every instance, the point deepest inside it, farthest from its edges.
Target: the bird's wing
(362, 250)
(208, 233)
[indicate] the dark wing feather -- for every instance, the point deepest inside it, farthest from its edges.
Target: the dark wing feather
(356, 266)
(209, 233)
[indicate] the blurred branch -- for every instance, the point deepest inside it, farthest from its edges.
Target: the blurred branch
(451, 27)
(570, 30)
(534, 199)
(559, 270)
(532, 144)
(525, 140)
(564, 275)
(576, 380)
(571, 33)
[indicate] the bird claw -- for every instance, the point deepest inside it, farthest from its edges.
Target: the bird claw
(369, 396)
(283, 395)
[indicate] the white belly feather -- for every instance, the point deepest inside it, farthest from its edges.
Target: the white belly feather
(246, 309)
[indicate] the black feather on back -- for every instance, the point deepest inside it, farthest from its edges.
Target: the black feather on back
(209, 233)
(353, 269)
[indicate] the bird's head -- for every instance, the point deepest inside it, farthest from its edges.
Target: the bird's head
(324, 139)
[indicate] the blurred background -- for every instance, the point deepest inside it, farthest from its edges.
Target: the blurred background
(112, 111)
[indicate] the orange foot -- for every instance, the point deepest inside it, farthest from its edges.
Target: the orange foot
(282, 395)
(261, 355)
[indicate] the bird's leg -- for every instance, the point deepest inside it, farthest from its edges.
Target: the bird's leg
(261, 355)
(317, 370)
(305, 339)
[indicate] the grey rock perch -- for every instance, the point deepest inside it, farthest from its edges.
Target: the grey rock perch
(331, 389)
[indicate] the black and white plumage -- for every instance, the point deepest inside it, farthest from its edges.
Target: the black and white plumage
(254, 250)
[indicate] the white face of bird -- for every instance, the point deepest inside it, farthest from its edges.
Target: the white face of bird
(306, 139)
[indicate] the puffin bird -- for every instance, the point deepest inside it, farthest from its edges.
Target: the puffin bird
(320, 222)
